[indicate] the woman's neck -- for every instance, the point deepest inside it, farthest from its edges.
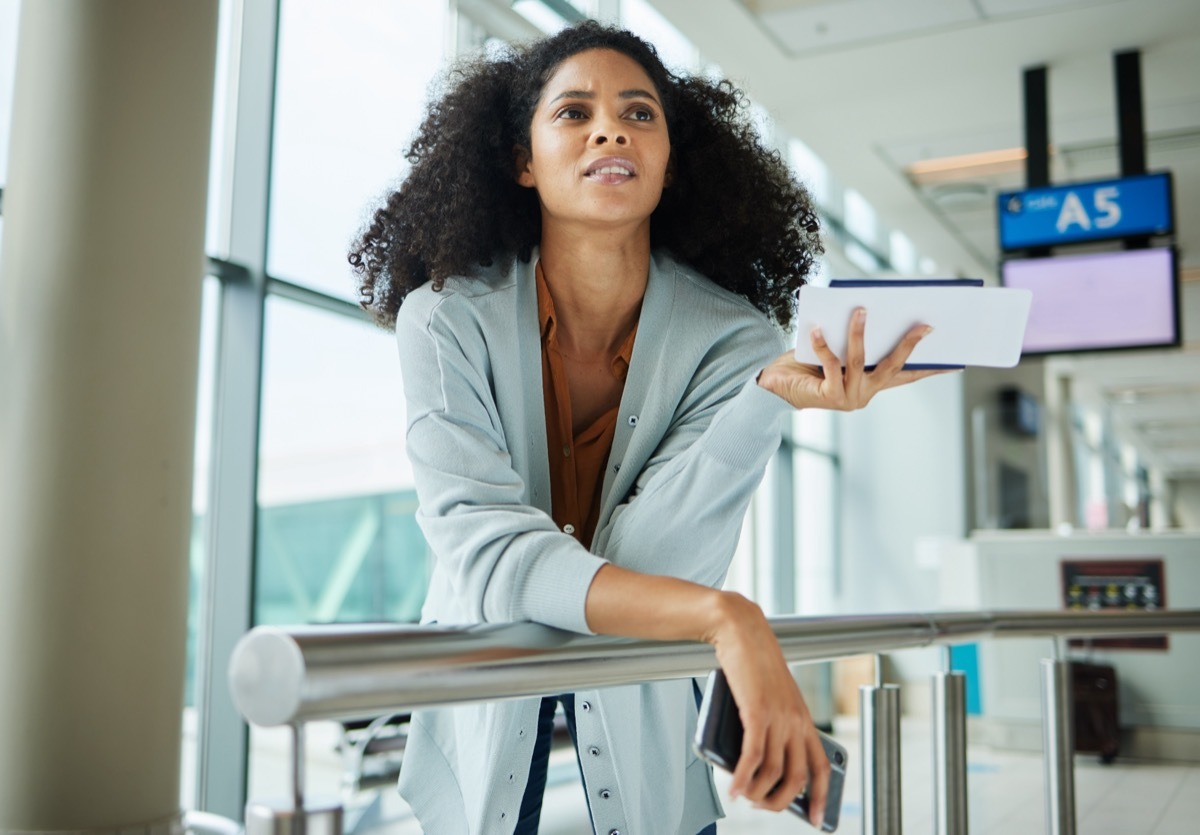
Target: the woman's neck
(597, 284)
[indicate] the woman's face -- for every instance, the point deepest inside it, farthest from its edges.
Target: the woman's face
(599, 144)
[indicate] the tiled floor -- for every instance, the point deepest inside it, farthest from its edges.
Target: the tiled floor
(1005, 795)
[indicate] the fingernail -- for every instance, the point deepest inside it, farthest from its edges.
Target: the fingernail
(928, 330)
(860, 314)
(819, 822)
(817, 335)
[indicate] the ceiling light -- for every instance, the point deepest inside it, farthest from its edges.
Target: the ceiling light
(967, 166)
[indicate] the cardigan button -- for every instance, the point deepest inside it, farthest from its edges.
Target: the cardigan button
(585, 706)
(568, 528)
(605, 794)
(633, 420)
(594, 751)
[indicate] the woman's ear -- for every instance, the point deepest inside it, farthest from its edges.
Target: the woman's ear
(521, 160)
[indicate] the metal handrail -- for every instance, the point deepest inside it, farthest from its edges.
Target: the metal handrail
(293, 675)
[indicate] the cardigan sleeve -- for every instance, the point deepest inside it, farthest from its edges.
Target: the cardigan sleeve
(504, 559)
(685, 512)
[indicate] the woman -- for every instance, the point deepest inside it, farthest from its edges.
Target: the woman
(590, 252)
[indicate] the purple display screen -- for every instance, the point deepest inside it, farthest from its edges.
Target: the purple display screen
(1101, 300)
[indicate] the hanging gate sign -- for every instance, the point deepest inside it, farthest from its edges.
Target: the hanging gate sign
(1103, 210)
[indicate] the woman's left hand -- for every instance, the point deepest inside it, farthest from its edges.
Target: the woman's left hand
(831, 385)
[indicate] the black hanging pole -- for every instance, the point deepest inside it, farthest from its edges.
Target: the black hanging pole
(1131, 131)
(1037, 129)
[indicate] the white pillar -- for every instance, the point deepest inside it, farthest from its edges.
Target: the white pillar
(99, 313)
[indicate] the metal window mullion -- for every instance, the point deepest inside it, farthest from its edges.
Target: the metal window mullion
(783, 521)
(836, 511)
(315, 298)
(222, 735)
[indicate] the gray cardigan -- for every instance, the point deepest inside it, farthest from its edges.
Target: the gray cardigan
(693, 437)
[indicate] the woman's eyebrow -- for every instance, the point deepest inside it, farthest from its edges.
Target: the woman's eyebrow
(588, 94)
(638, 94)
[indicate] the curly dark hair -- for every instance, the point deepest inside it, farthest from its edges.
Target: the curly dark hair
(733, 211)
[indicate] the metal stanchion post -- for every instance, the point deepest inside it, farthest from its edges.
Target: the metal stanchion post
(1058, 745)
(284, 819)
(294, 817)
(949, 753)
(879, 707)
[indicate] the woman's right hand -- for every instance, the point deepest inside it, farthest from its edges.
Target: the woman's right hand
(781, 750)
(843, 386)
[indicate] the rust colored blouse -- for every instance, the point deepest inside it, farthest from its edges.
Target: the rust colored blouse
(577, 462)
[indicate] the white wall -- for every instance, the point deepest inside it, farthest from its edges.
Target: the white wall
(1185, 504)
(902, 483)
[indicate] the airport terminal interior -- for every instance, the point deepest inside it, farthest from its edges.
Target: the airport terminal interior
(202, 431)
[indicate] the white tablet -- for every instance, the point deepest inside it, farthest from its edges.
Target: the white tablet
(972, 325)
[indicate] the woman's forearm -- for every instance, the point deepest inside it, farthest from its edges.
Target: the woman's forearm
(635, 605)
(780, 748)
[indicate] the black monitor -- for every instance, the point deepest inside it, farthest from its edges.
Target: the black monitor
(1099, 300)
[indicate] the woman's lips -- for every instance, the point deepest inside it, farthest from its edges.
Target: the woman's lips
(611, 170)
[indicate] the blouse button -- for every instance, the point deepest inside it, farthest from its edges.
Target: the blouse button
(605, 794)
(585, 706)
(615, 832)
(568, 528)
(633, 420)
(566, 451)
(594, 751)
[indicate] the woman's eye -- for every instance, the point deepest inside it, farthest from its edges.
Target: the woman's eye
(642, 115)
(572, 113)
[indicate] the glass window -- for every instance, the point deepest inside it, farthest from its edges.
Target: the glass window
(860, 217)
(220, 168)
(814, 429)
(350, 89)
(202, 466)
(675, 50)
(9, 14)
(861, 257)
(337, 535)
(903, 254)
(817, 585)
(814, 469)
(197, 546)
(809, 170)
(540, 15)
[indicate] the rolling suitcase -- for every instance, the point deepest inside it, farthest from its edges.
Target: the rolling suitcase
(1094, 695)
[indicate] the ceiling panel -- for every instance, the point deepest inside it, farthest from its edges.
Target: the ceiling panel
(807, 27)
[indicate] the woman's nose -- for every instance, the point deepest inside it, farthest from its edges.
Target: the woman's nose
(617, 138)
(609, 130)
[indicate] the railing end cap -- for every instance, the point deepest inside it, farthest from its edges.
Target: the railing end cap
(266, 676)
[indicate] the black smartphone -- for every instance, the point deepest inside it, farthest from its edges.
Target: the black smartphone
(719, 740)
